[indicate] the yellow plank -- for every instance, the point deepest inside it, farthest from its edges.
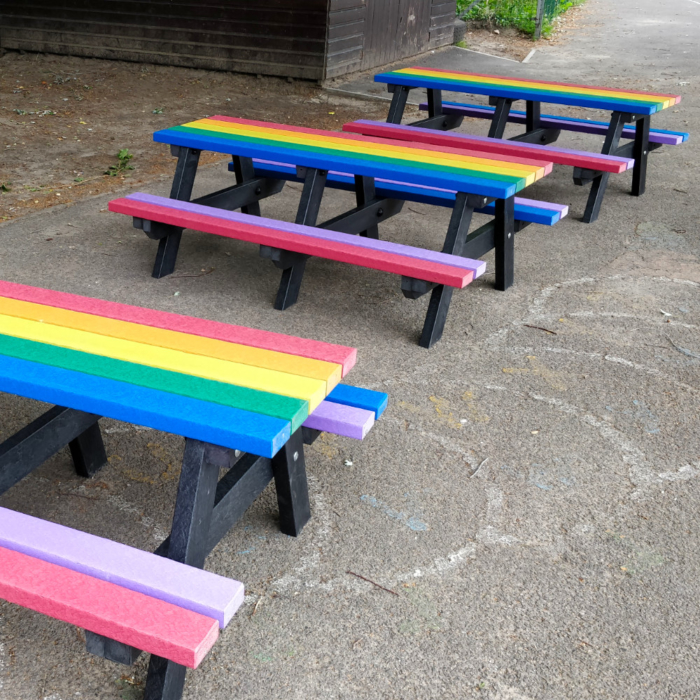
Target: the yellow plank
(311, 390)
(328, 372)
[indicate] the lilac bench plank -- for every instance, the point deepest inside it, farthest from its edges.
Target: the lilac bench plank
(553, 122)
(535, 147)
(476, 266)
(185, 586)
(341, 419)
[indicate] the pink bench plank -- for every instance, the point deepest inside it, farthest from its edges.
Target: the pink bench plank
(267, 340)
(476, 266)
(484, 144)
(146, 623)
(158, 577)
(341, 420)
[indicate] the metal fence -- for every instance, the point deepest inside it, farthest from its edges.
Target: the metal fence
(530, 16)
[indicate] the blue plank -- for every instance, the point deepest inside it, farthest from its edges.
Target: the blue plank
(411, 193)
(610, 105)
(521, 113)
(413, 175)
(221, 425)
(359, 398)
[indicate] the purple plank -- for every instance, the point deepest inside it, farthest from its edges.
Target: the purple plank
(655, 136)
(476, 266)
(341, 420)
(518, 200)
(193, 589)
(535, 147)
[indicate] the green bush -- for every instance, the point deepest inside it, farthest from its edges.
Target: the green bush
(515, 13)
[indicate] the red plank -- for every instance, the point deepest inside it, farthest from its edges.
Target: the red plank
(460, 142)
(133, 618)
(307, 245)
(390, 140)
(252, 337)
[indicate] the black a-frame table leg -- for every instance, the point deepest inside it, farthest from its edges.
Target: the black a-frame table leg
(398, 103)
(183, 182)
(504, 240)
(205, 510)
(600, 179)
(640, 153)
(441, 295)
(294, 264)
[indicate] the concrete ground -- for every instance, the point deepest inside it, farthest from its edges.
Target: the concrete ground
(531, 492)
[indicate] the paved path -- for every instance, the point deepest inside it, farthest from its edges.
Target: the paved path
(565, 568)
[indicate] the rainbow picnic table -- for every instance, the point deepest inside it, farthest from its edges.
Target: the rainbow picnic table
(245, 400)
(631, 107)
(475, 180)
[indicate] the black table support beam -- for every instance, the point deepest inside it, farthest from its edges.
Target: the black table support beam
(43, 437)
(500, 118)
(364, 193)
(541, 136)
(243, 196)
(364, 217)
(641, 153)
(532, 115)
(441, 122)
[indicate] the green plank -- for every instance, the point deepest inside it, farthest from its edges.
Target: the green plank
(287, 408)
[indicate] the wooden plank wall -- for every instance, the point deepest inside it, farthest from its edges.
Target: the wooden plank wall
(312, 39)
(274, 37)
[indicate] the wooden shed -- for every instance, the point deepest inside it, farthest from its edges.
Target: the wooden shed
(312, 39)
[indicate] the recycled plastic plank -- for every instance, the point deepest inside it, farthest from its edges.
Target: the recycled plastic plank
(133, 618)
(200, 591)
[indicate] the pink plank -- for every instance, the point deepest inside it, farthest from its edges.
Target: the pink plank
(146, 623)
(159, 577)
(476, 266)
(341, 420)
(267, 340)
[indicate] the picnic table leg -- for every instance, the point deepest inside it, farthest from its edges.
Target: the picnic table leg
(532, 115)
(289, 468)
(183, 182)
(600, 180)
(188, 545)
(504, 239)
(307, 214)
(244, 170)
(641, 154)
(500, 118)
(398, 103)
(27, 449)
(365, 193)
(441, 295)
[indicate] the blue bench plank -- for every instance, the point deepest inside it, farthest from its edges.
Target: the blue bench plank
(525, 210)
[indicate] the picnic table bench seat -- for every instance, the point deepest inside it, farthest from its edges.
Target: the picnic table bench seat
(526, 211)
(244, 400)
(284, 243)
(657, 137)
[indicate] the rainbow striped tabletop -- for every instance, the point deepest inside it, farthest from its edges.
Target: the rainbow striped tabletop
(620, 100)
(228, 385)
(462, 170)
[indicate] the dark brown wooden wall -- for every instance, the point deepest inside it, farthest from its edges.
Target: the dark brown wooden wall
(274, 37)
(312, 39)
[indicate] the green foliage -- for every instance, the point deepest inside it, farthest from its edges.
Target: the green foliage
(123, 158)
(520, 14)
(5, 187)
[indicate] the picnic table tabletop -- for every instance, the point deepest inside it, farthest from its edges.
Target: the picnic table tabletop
(229, 385)
(610, 99)
(493, 176)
